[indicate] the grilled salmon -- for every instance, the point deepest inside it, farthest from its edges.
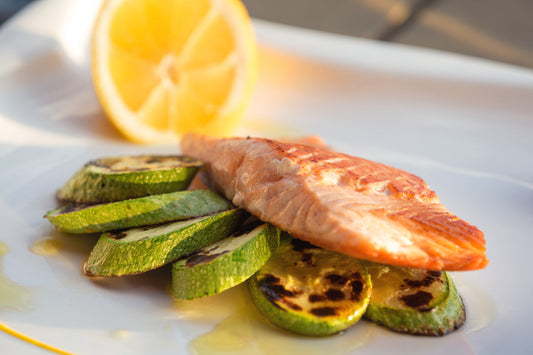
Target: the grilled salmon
(340, 202)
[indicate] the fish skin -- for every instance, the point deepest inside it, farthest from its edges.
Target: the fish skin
(339, 202)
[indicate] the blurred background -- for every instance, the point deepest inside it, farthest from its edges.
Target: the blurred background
(492, 29)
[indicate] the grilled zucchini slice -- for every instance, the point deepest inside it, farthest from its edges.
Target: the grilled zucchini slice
(309, 290)
(137, 212)
(414, 301)
(224, 264)
(137, 250)
(120, 178)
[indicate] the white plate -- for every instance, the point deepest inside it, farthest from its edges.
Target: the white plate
(464, 125)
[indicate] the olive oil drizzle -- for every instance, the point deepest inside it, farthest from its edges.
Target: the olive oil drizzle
(46, 246)
(32, 341)
(16, 296)
(244, 330)
(12, 295)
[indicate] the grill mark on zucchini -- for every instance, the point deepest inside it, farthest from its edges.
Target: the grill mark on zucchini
(247, 227)
(324, 311)
(119, 235)
(142, 249)
(109, 162)
(334, 294)
(205, 256)
(419, 301)
(414, 301)
(309, 290)
(142, 211)
(337, 279)
(301, 245)
(357, 287)
(119, 178)
(72, 207)
(315, 297)
(275, 292)
(226, 263)
(199, 257)
(431, 276)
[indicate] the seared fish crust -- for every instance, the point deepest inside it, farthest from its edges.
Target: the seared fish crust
(339, 202)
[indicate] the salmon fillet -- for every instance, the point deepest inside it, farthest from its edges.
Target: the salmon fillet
(339, 202)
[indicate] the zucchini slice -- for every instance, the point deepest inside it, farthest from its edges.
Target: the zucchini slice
(120, 178)
(309, 290)
(137, 250)
(414, 301)
(137, 212)
(224, 264)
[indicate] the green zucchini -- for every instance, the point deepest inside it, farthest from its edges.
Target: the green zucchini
(224, 264)
(309, 290)
(120, 178)
(137, 250)
(137, 212)
(414, 301)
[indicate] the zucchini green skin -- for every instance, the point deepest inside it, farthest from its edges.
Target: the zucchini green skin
(315, 300)
(437, 320)
(214, 268)
(98, 182)
(137, 212)
(116, 256)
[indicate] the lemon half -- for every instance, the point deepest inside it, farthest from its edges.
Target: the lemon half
(162, 68)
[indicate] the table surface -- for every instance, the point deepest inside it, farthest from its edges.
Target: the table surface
(492, 29)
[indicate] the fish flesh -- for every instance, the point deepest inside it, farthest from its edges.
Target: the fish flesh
(340, 202)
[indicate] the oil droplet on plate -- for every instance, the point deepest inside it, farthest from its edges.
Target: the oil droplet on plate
(15, 296)
(4, 249)
(210, 309)
(12, 295)
(245, 331)
(46, 246)
(120, 334)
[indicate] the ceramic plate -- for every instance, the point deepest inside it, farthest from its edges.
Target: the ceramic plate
(464, 125)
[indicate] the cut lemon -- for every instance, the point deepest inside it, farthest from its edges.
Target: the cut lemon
(162, 68)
